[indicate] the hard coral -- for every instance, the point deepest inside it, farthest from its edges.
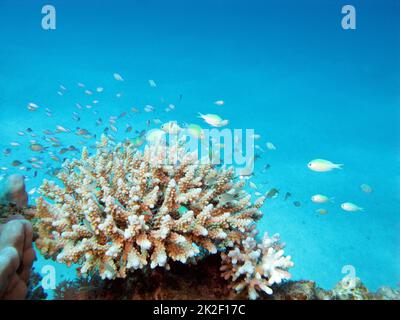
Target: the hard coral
(123, 209)
(256, 267)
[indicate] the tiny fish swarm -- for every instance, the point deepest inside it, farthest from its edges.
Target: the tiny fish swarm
(123, 209)
(256, 266)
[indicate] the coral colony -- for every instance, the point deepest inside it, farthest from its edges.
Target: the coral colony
(123, 209)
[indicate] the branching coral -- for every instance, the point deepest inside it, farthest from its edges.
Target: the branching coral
(123, 209)
(256, 267)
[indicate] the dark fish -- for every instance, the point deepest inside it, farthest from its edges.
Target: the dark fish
(16, 163)
(287, 195)
(29, 130)
(35, 174)
(123, 114)
(297, 203)
(128, 129)
(272, 193)
(7, 151)
(266, 167)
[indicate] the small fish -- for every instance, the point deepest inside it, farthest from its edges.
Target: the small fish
(79, 106)
(252, 185)
(135, 110)
(62, 129)
(219, 102)
(81, 85)
(213, 120)
(182, 210)
(128, 129)
(320, 198)
(87, 225)
(118, 95)
(16, 163)
(88, 92)
(32, 191)
(171, 127)
(7, 151)
(321, 211)
(152, 84)
(195, 131)
(32, 106)
(270, 146)
(287, 196)
(148, 108)
(118, 77)
(297, 203)
(350, 207)
(100, 89)
(157, 121)
(99, 121)
(63, 88)
(47, 132)
(138, 141)
(171, 106)
(123, 114)
(15, 144)
(273, 193)
(82, 132)
(21, 133)
(60, 93)
(113, 128)
(266, 167)
(321, 165)
(37, 147)
(366, 188)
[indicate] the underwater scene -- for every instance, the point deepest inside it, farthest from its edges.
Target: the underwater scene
(186, 149)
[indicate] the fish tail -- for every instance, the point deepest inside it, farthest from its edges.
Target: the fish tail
(339, 165)
(201, 115)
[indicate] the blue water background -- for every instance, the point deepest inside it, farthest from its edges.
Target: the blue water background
(284, 68)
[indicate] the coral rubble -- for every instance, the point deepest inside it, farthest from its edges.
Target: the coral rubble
(124, 209)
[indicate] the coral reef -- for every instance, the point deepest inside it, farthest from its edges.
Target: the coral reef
(256, 266)
(123, 209)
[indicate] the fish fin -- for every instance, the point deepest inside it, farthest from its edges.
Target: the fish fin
(339, 165)
(201, 115)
